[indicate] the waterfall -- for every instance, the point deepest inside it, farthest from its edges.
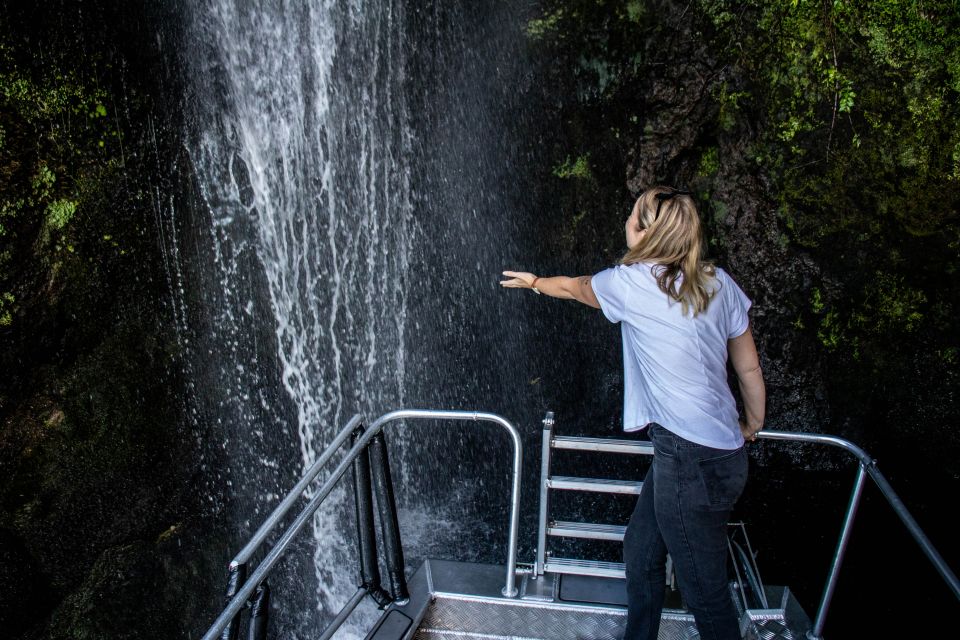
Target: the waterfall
(355, 195)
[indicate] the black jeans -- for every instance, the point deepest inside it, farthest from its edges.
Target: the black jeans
(683, 508)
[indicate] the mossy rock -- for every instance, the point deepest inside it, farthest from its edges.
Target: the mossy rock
(144, 590)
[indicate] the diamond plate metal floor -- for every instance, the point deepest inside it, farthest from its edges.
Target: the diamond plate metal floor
(462, 601)
(450, 619)
(453, 619)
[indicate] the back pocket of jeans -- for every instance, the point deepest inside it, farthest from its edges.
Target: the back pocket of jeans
(724, 477)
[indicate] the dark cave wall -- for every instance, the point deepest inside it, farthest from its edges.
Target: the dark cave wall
(101, 521)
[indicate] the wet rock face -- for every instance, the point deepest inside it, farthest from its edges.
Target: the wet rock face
(137, 590)
(657, 116)
(23, 588)
(745, 234)
(778, 279)
(99, 514)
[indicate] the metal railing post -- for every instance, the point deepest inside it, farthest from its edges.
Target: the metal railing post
(343, 615)
(815, 633)
(544, 495)
(867, 466)
(240, 588)
(925, 545)
(510, 589)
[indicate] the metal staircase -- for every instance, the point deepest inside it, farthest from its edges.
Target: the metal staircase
(547, 528)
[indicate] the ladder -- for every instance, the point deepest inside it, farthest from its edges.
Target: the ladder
(545, 563)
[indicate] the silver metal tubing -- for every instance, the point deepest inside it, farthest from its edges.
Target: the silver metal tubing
(509, 590)
(343, 615)
(945, 572)
(303, 518)
(238, 601)
(839, 552)
(544, 494)
(274, 518)
(868, 466)
(817, 438)
(756, 569)
(740, 579)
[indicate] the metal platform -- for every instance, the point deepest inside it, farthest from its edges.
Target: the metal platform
(463, 601)
(552, 598)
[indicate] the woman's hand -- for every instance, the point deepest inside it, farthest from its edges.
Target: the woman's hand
(518, 280)
(749, 433)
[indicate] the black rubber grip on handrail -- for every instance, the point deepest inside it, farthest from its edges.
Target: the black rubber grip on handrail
(389, 526)
(238, 576)
(259, 613)
(366, 531)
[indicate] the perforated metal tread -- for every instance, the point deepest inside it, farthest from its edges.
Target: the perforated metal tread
(585, 567)
(596, 485)
(586, 530)
(609, 445)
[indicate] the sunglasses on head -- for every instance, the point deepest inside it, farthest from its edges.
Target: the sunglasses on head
(667, 195)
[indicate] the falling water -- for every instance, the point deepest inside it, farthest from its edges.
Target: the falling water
(355, 196)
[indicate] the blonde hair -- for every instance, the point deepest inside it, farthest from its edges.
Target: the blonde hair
(674, 244)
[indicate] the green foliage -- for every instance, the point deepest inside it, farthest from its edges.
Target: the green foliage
(635, 10)
(54, 97)
(857, 109)
(886, 307)
(869, 86)
(54, 129)
(816, 300)
(43, 182)
(709, 162)
(541, 28)
(594, 53)
(729, 102)
(6, 302)
(848, 112)
(578, 169)
(59, 213)
(600, 40)
(890, 306)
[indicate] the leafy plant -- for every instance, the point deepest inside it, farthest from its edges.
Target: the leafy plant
(579, 168)
(54, 129)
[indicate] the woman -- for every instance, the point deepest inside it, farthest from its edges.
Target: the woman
(681, 318)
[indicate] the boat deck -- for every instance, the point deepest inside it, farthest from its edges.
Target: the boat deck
(552, 598)
(463, 601)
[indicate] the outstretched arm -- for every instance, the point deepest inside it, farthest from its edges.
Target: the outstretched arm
(746, 362)
(578, 289)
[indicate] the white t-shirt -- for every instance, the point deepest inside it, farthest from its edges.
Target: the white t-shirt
(675, 365)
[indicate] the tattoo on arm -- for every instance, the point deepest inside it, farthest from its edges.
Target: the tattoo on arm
(585, 292)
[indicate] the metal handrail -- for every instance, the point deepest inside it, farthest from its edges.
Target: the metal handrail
(264, 568)
(867, 466)
(274, 518)
(509, 590)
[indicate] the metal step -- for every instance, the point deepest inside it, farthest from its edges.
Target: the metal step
(602, 444)
(596, 485)
(586, 530)
(585, 567)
